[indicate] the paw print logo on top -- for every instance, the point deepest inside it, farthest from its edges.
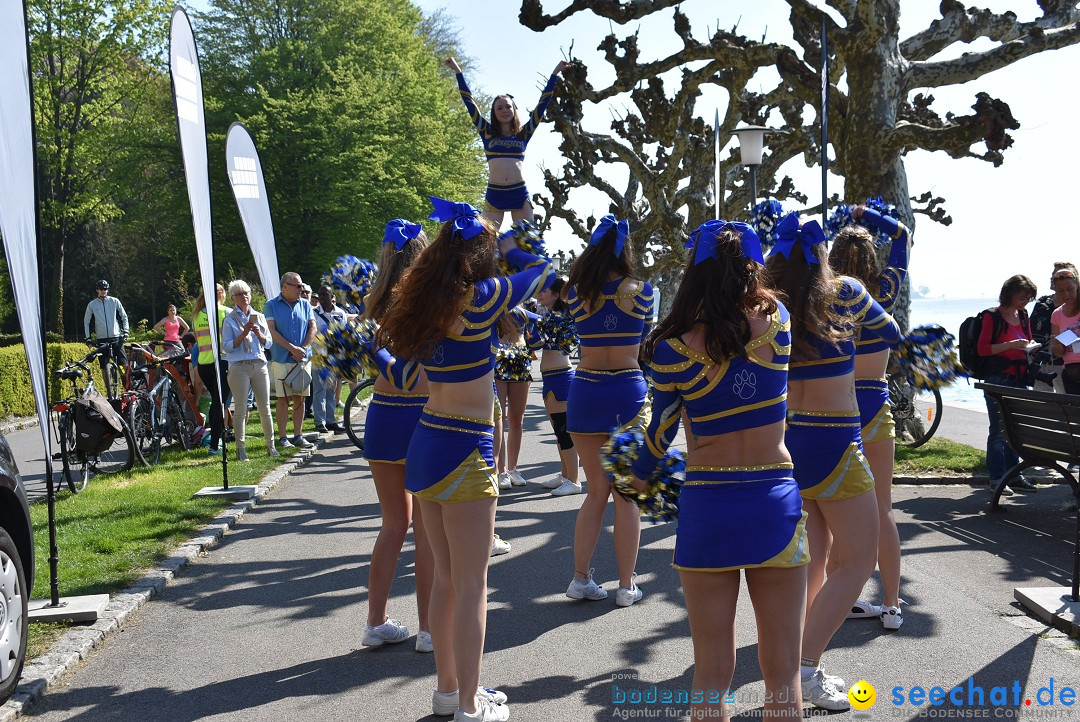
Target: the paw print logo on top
(611, 321)
(745, 384)
(437, 354)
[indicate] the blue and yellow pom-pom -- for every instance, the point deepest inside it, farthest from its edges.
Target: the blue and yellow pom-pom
(353, 277)
(558, 332)
(513, 363)
(763, 219)
(526, 237)
(841, 217)
(660, 503)
(928, 355)
(344, 350)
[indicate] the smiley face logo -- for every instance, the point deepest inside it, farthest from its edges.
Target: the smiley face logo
(862, 695)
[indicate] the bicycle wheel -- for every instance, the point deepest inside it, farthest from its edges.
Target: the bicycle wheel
(917, 417)
(356, 411)
(140, 419)
(178, 429)
(76, 470)
(118, 457)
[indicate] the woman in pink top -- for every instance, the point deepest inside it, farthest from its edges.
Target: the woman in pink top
(172, 326)
(1005, 336)
(1066, 317)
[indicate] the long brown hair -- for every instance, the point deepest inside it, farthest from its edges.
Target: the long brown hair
(720, 292)
(808, 289)
(854, 254)
(392, 263)
(433, 291)
(594, 267)
(496, 126)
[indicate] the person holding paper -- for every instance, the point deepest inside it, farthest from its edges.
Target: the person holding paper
(1065, 329)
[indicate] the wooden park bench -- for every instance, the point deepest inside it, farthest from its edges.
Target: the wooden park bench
(1043, 428)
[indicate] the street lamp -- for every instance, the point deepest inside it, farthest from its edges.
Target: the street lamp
(751, 140)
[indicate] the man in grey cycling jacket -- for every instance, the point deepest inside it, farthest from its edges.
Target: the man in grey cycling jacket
(110, 322)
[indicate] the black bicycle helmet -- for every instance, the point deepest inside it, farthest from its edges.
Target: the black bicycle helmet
(102, 285)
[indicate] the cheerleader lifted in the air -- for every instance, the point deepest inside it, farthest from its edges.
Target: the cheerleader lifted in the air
(505, 139)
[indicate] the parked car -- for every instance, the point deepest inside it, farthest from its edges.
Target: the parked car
(16, 571)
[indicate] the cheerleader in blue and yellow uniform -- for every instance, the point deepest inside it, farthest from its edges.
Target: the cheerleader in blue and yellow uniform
(823, 436)
(504, 139)
(612, 312)
(513, 376)
(398, 397)
(721, 355)
(854, 254)
(554, 336)
(445, 312)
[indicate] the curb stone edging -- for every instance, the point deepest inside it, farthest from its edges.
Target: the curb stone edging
(75, 645)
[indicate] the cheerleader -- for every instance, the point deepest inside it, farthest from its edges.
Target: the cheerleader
(612, 311)
(553, 336)
(444, 313)
(854, 254)
(823, 437)
(722, 356)
(513, 375)
(398, 398)
(504, 139)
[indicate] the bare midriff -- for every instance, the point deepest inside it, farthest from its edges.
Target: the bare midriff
(473, 399)
(836, 393)
(505, 171)
(554, 359)
(759, 446)
(872, 365)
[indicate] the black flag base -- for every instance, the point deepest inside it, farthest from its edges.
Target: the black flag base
(88, 608)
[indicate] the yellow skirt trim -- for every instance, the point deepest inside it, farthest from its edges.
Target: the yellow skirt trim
(472, 480)
(850, 477)
(795, 554)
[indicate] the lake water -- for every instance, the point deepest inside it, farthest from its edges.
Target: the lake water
(950, 313)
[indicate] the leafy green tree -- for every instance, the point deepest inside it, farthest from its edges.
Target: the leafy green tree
(354, 118)
(93, 63)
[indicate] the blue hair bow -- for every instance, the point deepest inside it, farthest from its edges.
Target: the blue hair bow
(705, 235)
(399, 232)
(789, 233)
(607, 223)
(466, 218)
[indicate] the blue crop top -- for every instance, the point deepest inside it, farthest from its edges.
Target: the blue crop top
(404, 375)
(471, 354)
(610, 325)
(853, 308)
(743, 393)
(890, 280)
(496, 146)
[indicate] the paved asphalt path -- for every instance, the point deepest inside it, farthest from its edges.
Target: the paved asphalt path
(268, 625)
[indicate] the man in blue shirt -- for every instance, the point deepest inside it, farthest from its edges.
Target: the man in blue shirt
(292, 327)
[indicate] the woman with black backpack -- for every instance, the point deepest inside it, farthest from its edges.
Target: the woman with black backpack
(1004, 338)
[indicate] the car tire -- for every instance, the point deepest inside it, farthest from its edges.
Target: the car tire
(14, 597)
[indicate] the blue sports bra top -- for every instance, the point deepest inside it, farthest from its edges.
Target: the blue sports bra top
(890, 280)
(404, 375)
(470, 354)
(852, 308)
(609, 324)
(496, 146)
(720, 397)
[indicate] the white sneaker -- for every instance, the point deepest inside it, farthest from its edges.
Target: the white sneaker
(504, 481)
(585, 589)
(446, 703)
(625, 597)
(423, 642)
(389, 632)
(820, 692)
(486, 711)
(568, 488)
(516, 478)
(554, 482)
(863, 609)
(891, 617)
(499, 546)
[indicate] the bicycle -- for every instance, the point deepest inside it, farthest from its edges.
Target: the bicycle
(916, 411)
(110, 370)
(356, 411)
(77, 463)
(154, 413)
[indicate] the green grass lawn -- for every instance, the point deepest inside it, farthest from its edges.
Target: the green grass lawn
(122, 524)
(940, 456)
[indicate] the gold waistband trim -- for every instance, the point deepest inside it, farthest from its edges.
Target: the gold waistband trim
(825, 414)
(457, 418)
(762, 467)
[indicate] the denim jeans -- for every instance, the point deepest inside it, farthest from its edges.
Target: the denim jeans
(999, 456)
(323, 401)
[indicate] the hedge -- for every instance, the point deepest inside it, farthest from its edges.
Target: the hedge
(16, 393)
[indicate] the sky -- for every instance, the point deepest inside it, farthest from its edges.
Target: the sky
(1006, 220)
